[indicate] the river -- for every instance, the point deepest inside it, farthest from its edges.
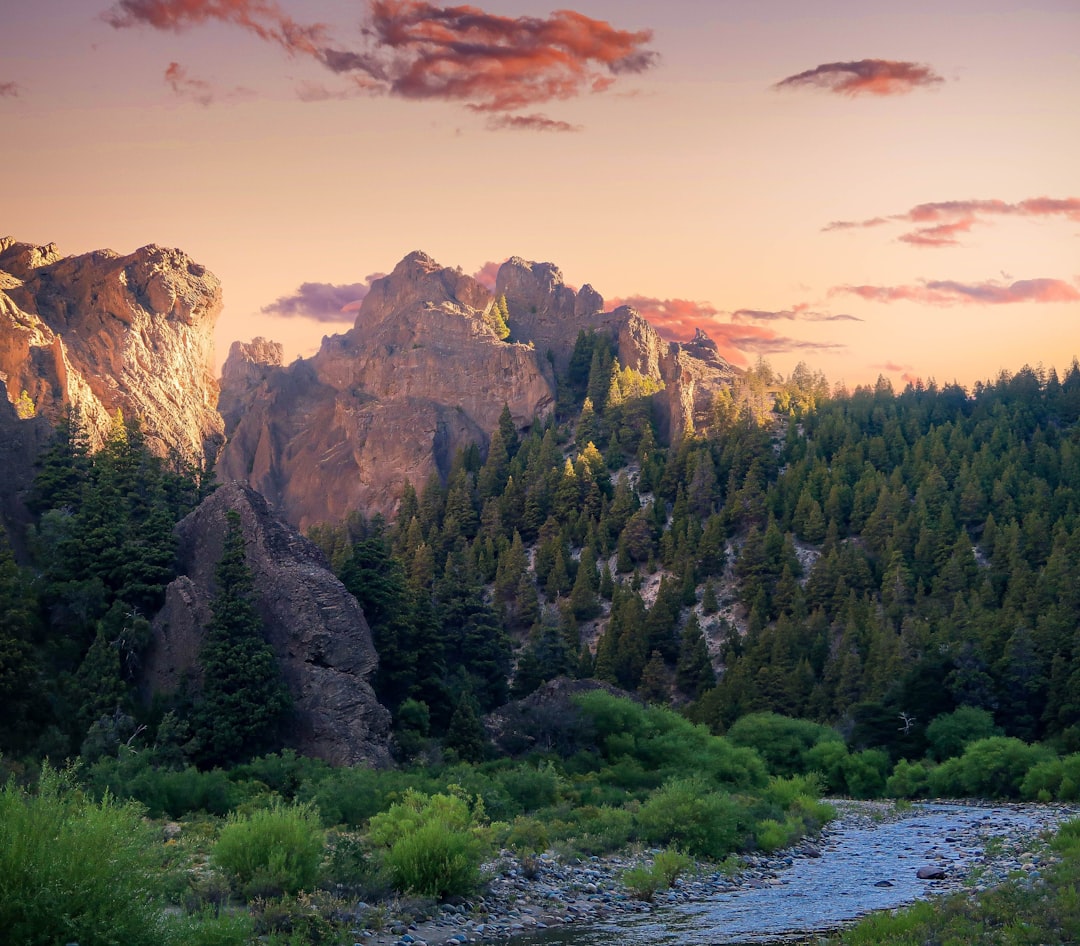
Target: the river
(863, 867)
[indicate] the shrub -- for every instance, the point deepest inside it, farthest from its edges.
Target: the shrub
(865, 772)
(644, 882)
(272, 851)
(827, 759)
(781, 741)
(527, 836)
(700, 821)
(992, 768)
(908, 780)
(1053, 779)
(72, 870)
(771, 835)
(950, 733)
(433, 844)
(603, 830)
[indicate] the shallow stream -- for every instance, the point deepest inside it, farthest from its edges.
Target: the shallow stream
(863, 868)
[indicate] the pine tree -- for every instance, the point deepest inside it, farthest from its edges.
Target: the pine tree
(243, 696)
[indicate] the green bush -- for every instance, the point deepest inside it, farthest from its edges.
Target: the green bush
(781, 741)
(771, 835)
(865, 773)
(72, 870)
(828, 759)
(272, 851)
(908, 780)
(664, 742)
(433, 844)
(991, 768)
(702, 822)
(435, 862)
(644, 882)
(950, 733)
(1053, 779)
(602, 830)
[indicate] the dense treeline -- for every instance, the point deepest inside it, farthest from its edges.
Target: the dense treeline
(869, 560)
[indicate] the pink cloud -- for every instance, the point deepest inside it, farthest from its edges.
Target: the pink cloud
(487, 274)
(678, 320)
(529, 123)
(801, 311)
(947, 292)
(864, 76)
(419, 50)
(322, 302)
(10, 90)
(198, 90)
(941, 221)
(891, 366)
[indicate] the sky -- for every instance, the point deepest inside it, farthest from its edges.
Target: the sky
(872, 188)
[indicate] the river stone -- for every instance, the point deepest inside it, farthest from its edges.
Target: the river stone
(931, 873)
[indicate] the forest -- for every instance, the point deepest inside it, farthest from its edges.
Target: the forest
(867, 593)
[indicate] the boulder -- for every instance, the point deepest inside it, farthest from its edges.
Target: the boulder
(317, 629)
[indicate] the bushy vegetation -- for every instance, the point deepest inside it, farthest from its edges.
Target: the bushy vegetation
(271, 851)
(74, 870)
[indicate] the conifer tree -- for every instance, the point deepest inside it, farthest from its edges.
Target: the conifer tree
(243, 696)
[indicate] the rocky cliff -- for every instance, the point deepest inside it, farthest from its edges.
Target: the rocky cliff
(315, 626)
(105, 331)
(422, 373)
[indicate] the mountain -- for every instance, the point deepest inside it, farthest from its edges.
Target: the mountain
(110, 332)
(423, 373)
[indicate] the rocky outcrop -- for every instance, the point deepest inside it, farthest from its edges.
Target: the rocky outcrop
(423, 373)
(315, 626)
(107, 332)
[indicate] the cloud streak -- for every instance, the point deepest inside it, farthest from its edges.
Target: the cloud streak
(422, 51)
(940, 223)
(10, 90)
(864, 77)
(199, 91)
(322, 302)
(678, 320)
(800, 311)
(947, 292)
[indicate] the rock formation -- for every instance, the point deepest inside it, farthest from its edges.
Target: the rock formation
(105, 331)
(422, 373)
(315, 626)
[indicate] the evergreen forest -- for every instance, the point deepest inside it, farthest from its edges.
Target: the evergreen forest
(867, 593)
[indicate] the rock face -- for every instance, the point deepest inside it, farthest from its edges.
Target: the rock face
(105, 331)
(315, 626)
(421, 374)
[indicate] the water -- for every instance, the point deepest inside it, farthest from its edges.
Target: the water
(816, 895)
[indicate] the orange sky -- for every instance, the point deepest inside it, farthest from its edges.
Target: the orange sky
(866, 188)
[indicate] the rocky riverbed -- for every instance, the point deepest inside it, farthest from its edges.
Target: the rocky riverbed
(873, 856)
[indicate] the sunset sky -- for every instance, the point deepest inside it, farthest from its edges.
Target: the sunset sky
(870, 187)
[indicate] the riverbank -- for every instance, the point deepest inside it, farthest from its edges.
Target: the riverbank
(932, 848)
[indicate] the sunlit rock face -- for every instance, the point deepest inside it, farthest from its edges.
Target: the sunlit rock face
(108, 332)
(423, 373)
(316, 628)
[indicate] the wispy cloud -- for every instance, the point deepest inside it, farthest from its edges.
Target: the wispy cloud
(892, 366)
(678, 319)
(418, 50)
(10, 90)
(947, 292)
(199, 90)
(529, 123)
(864, 77)
(799, 311)
(939, 223)
(322, 302)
